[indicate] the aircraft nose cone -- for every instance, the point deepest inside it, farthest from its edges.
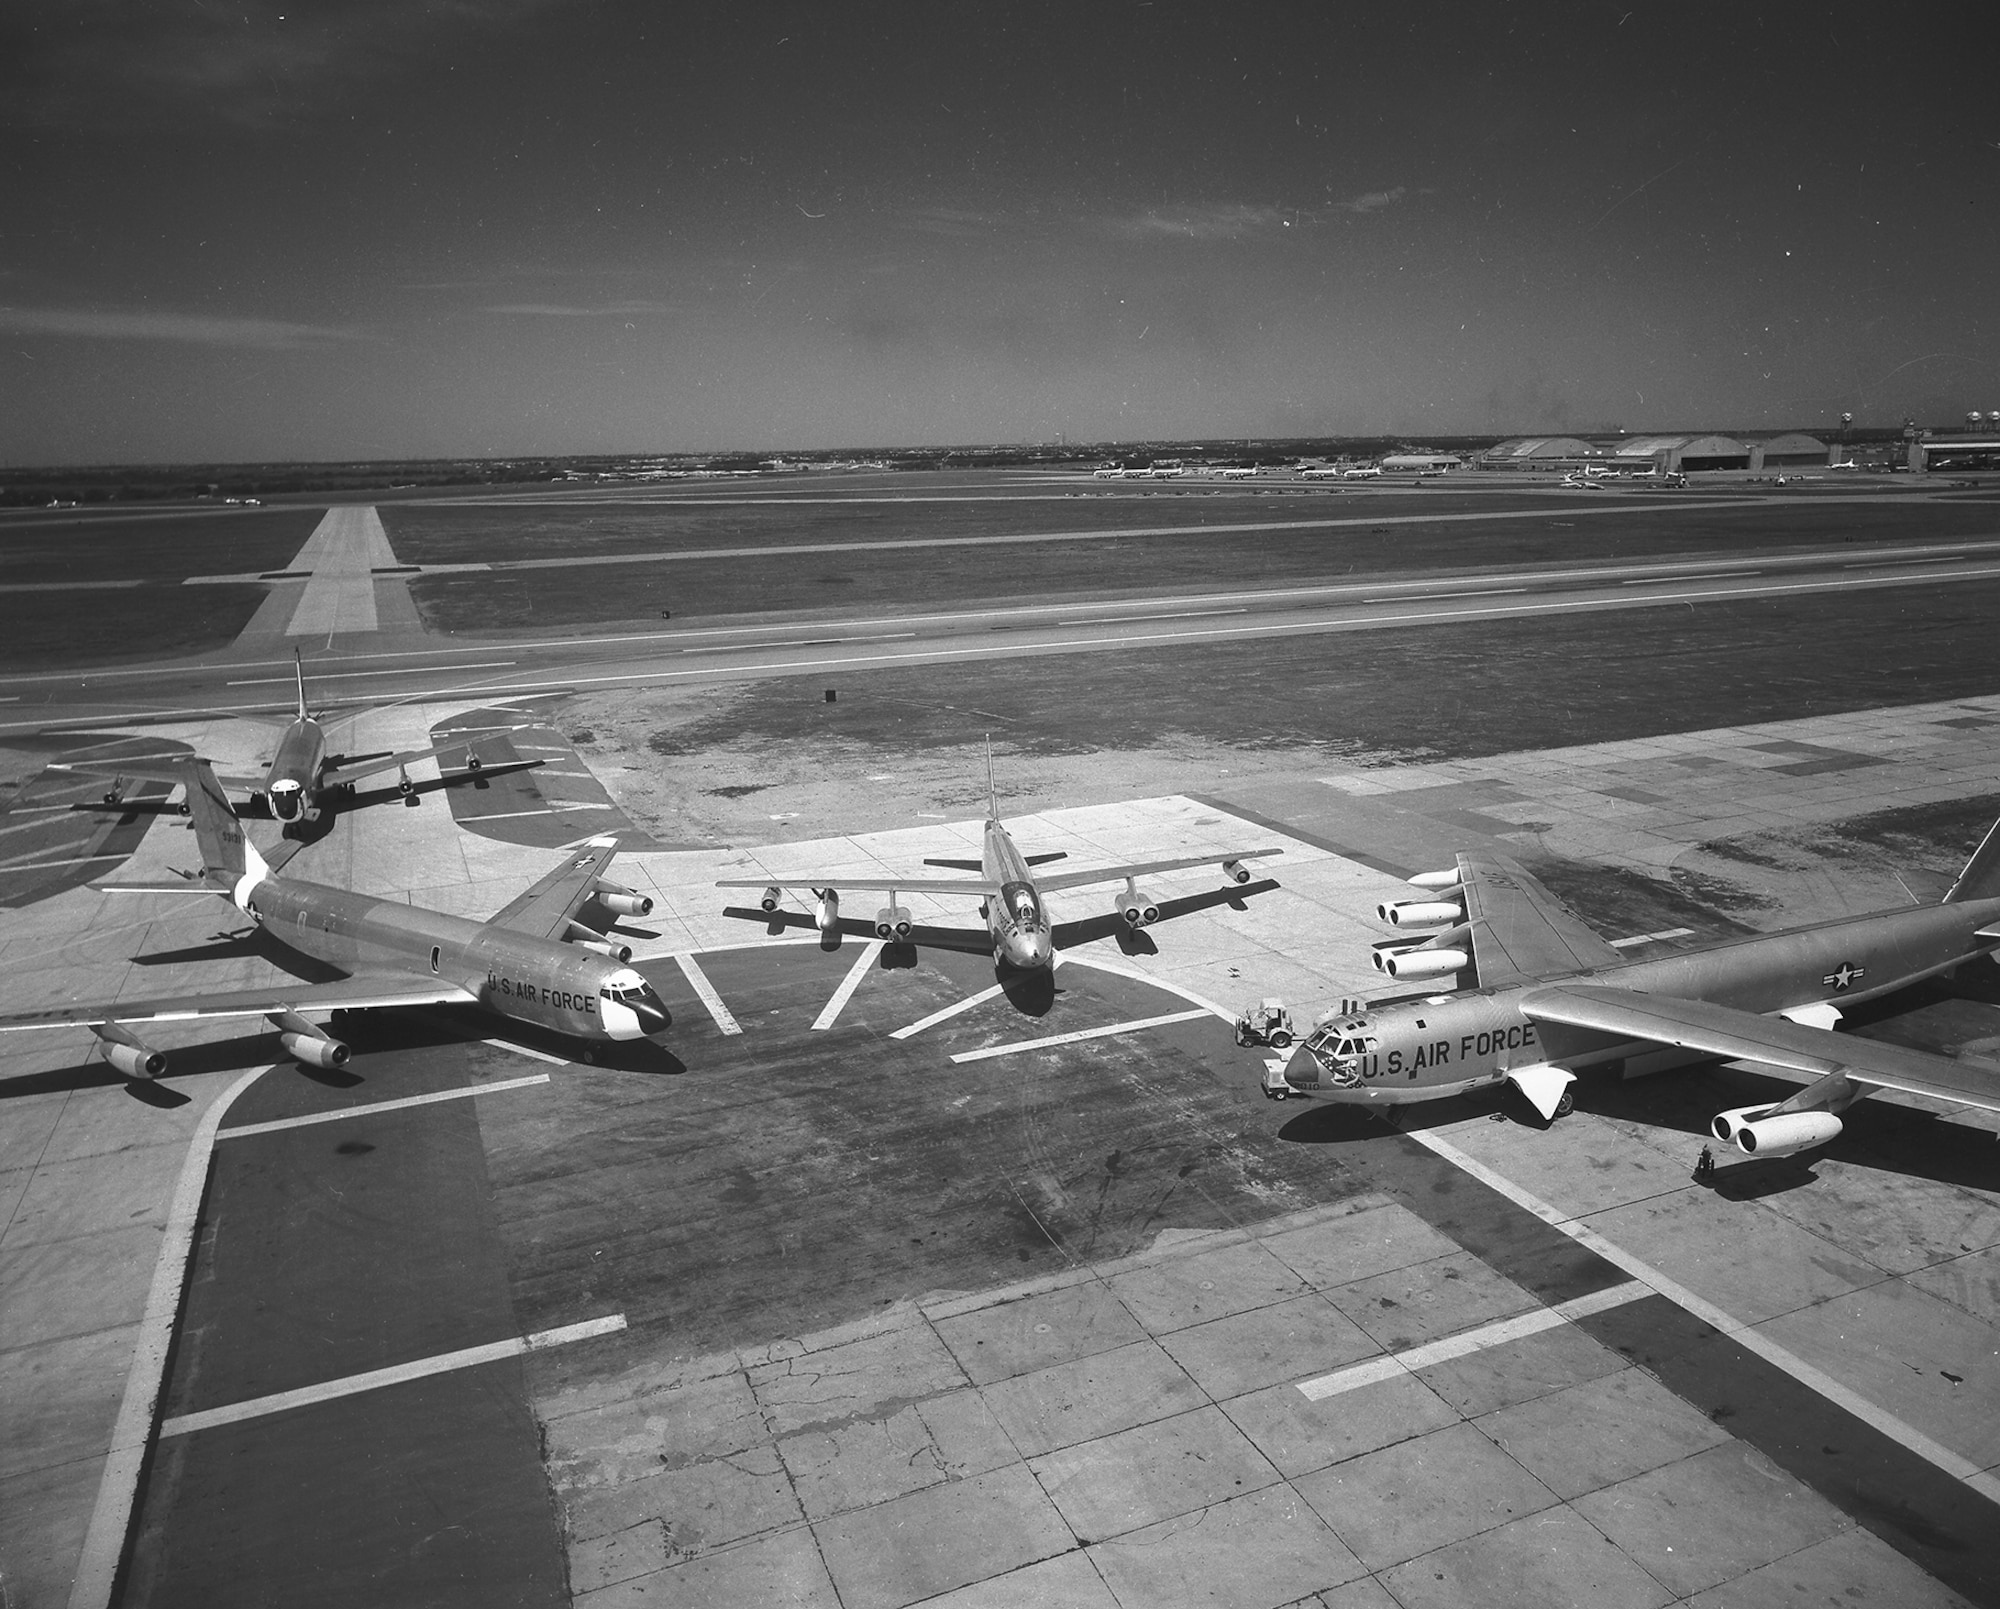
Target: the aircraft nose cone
(1030, 952)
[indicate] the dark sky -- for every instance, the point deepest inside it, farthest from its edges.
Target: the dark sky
(385, 228)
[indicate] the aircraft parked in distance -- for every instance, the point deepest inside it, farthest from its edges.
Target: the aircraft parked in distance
(1017, 923)
(533, 962)
(1549, 996)
(1371, 472)
(302, 778)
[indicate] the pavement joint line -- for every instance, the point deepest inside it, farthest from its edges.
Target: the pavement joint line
(698, 981)
(1078, 1036)
(376, 1379)
(524, 1050)
(1467, 1342)
(948, 1012)
(1871, 1414)
(372, 1107)
(849, 984)
(132, 1433)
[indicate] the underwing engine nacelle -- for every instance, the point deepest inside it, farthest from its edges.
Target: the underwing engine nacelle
(826, 911)
(892, 924)
(1765, 1131)
(1236, 871)
(620, 901)
(1421, 963)
(127, 1052)
(308, 1042)
(588, 938)
(1137, 907)
(1435, 880)
(1420, 912)
(768, 900)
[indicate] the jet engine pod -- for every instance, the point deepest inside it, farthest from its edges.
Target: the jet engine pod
(1138, 907)
(1421, 963)
(1236, 871)
(769, 899)
(623, 901)
(316, 1050)
(127, 1052)
(826, 912)
(892, 924)
(1438, 880)
(1754, 1131)
(1419, 912)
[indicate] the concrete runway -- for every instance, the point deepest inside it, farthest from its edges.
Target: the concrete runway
(879, 1287)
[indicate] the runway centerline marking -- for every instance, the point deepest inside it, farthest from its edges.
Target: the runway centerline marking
(1440, 594)
(947, 1013)
(1877, 1418)
(1706, 575)
(796, 642)
(698, 981)
(1147, 619)
(329, 674)
(849, 984)
(1467, 1342)
(375, 1379)
(1079, 1036)
(372, 1107)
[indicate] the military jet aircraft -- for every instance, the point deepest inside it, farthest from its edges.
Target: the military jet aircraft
(534, 962)
(1017, 925)
(302, 778)
(1550, 997)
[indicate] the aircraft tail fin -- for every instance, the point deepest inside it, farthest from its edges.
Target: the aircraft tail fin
(1981, 877)
(227, 855)
(992, 792)
(299, 664)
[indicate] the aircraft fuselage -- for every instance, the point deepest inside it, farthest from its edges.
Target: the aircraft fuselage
(1448, 1044)
(291, 786)
(1015, 919)
(541, 981)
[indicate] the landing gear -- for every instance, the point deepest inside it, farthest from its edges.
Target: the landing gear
(1565, 1104)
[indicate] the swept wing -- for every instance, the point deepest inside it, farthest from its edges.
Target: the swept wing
(361, 992)
(1745, 1036)
(1143, 868)
(1520, 931)
(546, 909)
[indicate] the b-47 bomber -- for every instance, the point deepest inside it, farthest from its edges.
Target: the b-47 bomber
(1550, 997)
(537, 961)
(1018, 929)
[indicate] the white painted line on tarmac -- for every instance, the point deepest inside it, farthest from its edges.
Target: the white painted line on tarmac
(375, 1379)
(798, 642)
(1648, 938)
(372, 1107)
(1145, 619)
(947, 1013)
(79, 860)
(118, 1488)
(849, 984)
(1706, 575)
(698, 981)
(1445, 595)
(1080, 1035)
(1071, 958)
(1878, 1418)
(329, 674)
(523, 1050)
(1467, 1342)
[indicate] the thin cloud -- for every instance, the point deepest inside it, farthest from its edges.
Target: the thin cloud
(195, 329)
(96, 63)
(1372, 201)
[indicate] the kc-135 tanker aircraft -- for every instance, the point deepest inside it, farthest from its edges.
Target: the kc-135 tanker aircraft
(302, 778)
(1010, 897)
(1551, 997)
(534, 962)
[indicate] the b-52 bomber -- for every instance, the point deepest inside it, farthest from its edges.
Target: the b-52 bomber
(1551, 997)
(302, 778)
(1017, 924)
(534, 962)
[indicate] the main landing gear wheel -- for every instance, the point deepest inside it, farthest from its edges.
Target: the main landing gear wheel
(1565, 1104)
